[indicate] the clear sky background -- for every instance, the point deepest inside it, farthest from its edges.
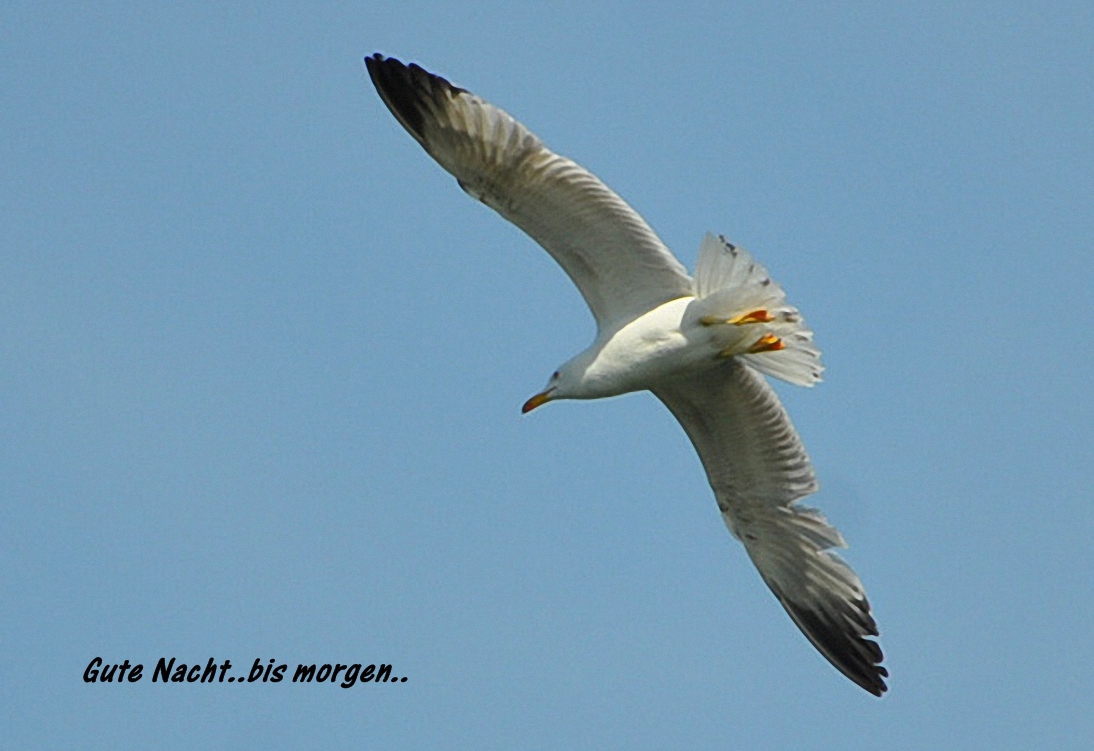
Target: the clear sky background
(261, 365)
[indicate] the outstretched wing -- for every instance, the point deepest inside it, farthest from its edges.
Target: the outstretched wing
(758, 468)
(617, 262)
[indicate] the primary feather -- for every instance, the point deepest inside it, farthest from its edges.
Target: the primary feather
(618, 263)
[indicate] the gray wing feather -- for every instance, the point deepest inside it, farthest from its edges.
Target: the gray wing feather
(618, 263)
(758, 469)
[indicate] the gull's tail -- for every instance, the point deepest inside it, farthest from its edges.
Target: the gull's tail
(760, 327)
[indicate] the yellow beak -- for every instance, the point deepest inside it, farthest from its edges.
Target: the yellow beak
(535, 401)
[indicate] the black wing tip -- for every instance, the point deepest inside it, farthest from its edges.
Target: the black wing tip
(841, 637)
(401, 93)
(406, 88)
(379, 65)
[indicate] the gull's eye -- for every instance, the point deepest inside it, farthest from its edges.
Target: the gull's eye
(555, 376)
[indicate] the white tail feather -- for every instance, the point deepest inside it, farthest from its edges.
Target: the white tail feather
(730, 283)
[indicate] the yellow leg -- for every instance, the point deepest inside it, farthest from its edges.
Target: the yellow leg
(755, 316)
(767, 343)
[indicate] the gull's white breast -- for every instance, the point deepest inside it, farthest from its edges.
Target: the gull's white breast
(666, 342)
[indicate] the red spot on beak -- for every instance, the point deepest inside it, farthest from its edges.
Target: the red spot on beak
(535, 401)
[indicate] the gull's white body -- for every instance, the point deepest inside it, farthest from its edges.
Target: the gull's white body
(699, 345)
(647, 350)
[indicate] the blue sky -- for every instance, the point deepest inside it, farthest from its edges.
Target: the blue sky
(261, 365)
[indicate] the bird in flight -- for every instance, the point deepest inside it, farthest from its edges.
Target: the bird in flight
(700, 345)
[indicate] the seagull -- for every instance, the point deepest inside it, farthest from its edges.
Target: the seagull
(700, 345)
